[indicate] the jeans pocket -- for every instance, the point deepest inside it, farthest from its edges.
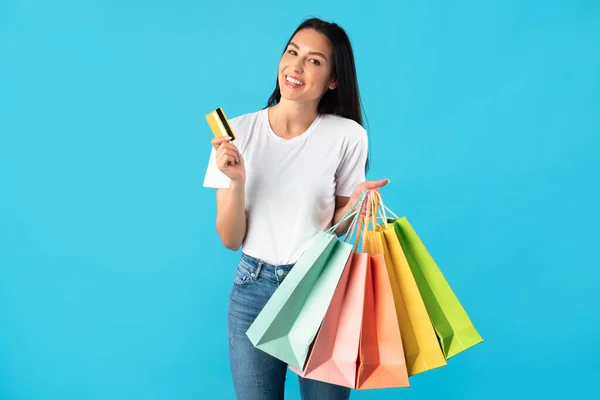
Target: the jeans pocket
(244, 275)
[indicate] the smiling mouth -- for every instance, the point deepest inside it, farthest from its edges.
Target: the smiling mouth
(292, 81)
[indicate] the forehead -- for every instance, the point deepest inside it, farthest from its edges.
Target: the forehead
(311, 40)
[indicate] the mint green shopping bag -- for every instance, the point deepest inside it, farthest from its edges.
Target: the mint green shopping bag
(452, 325)
(288, 324)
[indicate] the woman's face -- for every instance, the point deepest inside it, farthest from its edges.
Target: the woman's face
(305, 69)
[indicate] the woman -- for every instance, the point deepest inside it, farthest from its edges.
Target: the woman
(295, 168)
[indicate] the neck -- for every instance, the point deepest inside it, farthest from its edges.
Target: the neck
(291, 118)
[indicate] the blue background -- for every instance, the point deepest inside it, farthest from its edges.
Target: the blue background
(113, 282)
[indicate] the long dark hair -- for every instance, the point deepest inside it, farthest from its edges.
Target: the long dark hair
(344, 100)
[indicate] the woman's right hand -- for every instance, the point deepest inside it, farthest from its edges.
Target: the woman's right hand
(229, 159)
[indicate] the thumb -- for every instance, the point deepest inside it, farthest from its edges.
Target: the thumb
(376, 184)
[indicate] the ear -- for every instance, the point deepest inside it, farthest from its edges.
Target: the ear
(333, 84)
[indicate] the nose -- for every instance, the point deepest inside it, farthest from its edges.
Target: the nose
(296, 65)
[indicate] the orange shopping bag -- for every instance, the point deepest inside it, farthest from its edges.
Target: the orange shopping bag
(421, 347)
(382, 362)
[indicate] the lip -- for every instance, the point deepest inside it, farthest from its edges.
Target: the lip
(292, 85)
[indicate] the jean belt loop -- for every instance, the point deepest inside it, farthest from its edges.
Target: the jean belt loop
(256, 273)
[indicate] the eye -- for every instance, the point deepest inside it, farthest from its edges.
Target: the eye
(292, 52)
(315, 62)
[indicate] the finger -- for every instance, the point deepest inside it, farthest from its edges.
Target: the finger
(370, 185)
(220, 139)
(238, 155)
(229, 152)
(224, 157)
(231, 147)
(224, 161)
(226, 154)
(228, 147)
(216, 141)
(363, 209)
(225, 164)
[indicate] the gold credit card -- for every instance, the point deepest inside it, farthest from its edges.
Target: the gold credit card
(219, 124)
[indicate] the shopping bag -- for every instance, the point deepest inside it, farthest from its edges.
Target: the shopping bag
(421, 347)
(381, 362)
(288, 323)
(359, 344)
(334, 355)
(454, 328)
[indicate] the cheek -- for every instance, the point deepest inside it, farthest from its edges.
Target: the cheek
(281, 66)
(319, 78)
(284, 61)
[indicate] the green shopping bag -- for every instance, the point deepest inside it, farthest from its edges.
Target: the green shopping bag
(452, 325)
(287, 325)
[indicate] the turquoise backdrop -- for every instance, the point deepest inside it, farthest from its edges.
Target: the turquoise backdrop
(113, 282)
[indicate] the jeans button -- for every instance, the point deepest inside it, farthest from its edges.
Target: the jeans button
(279, 272)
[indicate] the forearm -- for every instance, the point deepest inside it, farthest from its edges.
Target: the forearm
(337, 217)
(231, 215)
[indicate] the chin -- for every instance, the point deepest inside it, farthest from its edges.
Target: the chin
(298, 99)
(291, 95)
(285, 94)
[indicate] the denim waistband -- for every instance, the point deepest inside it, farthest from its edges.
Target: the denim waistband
(261, 269)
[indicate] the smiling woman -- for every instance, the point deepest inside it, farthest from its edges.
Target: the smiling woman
(294, 169)
(320, 54)
(306, 73)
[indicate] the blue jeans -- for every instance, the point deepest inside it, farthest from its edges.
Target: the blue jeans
(257, 375)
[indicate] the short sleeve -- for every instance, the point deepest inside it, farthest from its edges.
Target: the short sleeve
(215, 178)
(351, 171)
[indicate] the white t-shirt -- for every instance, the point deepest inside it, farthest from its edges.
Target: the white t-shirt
(291, 184)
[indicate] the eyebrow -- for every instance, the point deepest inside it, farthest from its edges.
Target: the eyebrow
(316, 53)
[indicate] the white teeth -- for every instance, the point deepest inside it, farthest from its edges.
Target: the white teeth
(294, 81)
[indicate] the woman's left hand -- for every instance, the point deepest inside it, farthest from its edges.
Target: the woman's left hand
(366, 185)
(358, 191)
